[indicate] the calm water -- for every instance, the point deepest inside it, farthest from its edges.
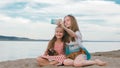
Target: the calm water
(11, 50)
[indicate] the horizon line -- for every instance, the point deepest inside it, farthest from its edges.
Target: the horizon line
(49, 40)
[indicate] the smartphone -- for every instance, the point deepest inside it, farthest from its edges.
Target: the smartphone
(55, 21)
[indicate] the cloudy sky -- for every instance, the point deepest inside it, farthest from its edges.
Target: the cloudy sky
(97, 19)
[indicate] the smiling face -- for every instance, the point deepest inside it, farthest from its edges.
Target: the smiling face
(59, 32)
(67, 21)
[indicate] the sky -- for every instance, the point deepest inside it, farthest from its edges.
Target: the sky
(97, 19)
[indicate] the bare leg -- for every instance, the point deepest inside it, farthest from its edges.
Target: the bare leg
(68, 62)
(42, 61)
(100, 63)
(84, 63)
(80, 60)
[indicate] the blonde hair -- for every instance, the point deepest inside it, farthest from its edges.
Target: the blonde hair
(52, 41)
(74, 24)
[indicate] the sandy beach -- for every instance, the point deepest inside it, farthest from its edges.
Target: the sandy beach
(112, 58)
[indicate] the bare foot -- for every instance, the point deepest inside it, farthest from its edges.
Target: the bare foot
(100, 63)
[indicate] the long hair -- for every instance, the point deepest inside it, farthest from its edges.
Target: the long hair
(74, 24)
(52, 41)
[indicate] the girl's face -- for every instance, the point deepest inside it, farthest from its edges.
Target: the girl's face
(59, 32)
(67, 21)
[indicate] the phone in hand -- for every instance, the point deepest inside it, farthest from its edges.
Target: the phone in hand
(56, 21)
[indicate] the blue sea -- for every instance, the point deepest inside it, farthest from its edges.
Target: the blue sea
(12, 50)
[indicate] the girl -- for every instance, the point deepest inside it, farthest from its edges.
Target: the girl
(75, 38)
(54, 54)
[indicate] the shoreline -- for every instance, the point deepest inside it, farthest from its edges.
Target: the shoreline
(111, 57)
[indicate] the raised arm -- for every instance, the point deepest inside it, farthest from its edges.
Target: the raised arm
(69, 31)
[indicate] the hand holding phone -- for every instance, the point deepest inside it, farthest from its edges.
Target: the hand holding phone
(56, 21)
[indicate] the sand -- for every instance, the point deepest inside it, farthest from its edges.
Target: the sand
(112, 58)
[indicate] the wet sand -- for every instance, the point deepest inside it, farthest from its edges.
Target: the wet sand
(112, 58)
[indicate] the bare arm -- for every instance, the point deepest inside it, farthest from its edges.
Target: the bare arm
(69, 31)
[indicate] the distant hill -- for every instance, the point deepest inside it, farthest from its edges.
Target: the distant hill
(14, 38)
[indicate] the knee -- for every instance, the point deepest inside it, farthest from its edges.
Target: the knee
(68, 62)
